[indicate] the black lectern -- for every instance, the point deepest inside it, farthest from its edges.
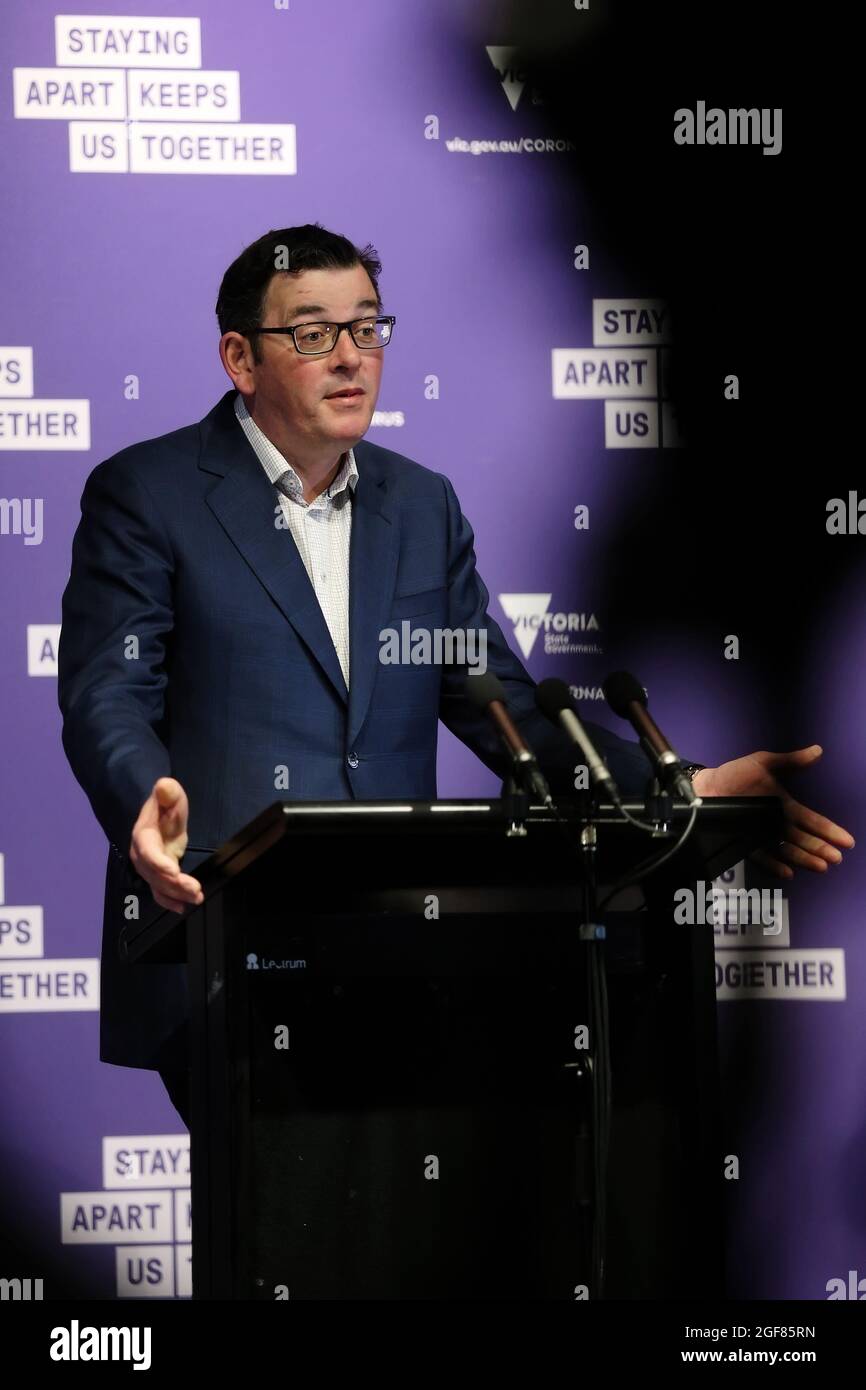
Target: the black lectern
(393, 1061)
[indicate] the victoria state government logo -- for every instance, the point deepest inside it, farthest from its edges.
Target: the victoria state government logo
(531, 614)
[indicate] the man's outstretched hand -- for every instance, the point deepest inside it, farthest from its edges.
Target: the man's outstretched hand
(159, 839)
(811, 841)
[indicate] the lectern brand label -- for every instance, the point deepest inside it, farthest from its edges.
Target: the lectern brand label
(257, 962)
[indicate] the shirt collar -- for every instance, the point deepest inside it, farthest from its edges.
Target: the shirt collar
(279, 471)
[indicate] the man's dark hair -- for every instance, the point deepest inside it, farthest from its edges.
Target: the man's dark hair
(240, 303)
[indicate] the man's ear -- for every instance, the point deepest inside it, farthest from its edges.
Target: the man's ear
(236, 355)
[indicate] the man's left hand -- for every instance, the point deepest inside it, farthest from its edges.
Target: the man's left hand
(811, 841)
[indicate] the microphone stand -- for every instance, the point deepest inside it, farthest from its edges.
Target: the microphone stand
(516, 803)
(593, 933)
(659, 806)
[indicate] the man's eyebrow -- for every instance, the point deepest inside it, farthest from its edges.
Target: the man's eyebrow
(320, 308)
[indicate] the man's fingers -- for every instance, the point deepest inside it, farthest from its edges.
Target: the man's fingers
(812, 845)
(178, 894)
(174, 904)
(156, 861)
(168, 791)
(825, 829)
(179, 885)
(801, 857)
(781, 858)
(797, 757)
(171, 799)
(161, 870)
(166, 805)
(775, 866)
(148, 853)
(182, 887)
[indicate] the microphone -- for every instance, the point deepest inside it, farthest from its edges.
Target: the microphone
(627, 698)
(553, 698)
(487, 693)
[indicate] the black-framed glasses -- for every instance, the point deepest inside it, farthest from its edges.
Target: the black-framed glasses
(316, 338)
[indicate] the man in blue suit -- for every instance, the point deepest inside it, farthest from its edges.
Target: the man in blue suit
(210, 663)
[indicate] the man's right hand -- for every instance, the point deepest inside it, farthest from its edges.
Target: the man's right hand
(159, 839)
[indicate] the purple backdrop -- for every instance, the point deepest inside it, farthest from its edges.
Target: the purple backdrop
(369, 122)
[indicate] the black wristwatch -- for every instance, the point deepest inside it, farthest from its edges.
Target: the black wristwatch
(691, 768)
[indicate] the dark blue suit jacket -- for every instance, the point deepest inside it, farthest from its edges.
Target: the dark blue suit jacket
(193, 644)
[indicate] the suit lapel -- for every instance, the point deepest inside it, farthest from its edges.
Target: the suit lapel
(372, 576)
(243, 501)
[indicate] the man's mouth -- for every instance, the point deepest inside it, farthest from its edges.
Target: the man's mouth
(348, 394)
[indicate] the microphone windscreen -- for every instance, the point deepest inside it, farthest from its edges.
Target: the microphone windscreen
(619, 691)
(481, 690)
(552, 697)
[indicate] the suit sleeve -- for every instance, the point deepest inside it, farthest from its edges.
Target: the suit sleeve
(116, 624)
(557, 756)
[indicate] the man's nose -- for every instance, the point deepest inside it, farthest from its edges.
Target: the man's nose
(345, 349)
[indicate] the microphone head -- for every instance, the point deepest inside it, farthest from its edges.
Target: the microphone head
(552, 697)
(484, 689)
(619, 691)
